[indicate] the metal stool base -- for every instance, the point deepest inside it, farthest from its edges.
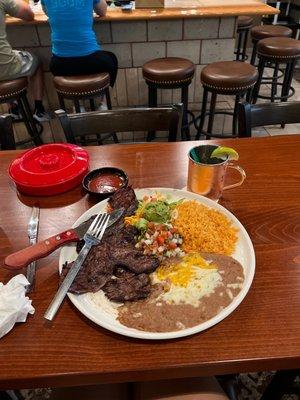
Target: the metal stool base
(212, 112)
(152, 102)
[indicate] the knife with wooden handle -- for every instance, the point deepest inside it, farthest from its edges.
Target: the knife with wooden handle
(23, 257)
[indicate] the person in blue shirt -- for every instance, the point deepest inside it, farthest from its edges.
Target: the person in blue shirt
(75, 50)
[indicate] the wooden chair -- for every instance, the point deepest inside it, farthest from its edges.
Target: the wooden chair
(80, 127)
(7, 139)
(250, 116)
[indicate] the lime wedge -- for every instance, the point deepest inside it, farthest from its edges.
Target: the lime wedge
(225, 152)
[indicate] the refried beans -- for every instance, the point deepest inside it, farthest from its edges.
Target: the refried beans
(156, 315)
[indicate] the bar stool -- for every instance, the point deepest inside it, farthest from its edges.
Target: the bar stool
(260, 32)
(169, 73)
(279, 50)
(228, 78)
(15, 90)
(77, 88)
(244, 24)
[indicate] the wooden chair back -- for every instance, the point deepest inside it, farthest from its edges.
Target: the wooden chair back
(7, 139)
(250, 116)
(78, 126)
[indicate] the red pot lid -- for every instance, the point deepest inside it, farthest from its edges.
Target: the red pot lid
(49, 165)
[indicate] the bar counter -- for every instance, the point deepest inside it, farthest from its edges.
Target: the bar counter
(203, 32)
(185, 9)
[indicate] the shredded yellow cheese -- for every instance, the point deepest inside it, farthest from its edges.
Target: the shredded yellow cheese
(182, 273)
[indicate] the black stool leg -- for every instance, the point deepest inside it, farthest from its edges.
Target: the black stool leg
(77, 109)
(108, 102)
(93, 108)
(274, 82)
(249, 95)
(245, 45)
(253, 56)
(239, 45)
(61, 102)
(234, 118)
(261, 67)
(212, 109)
(152, 93)
(185, 131)
(202, 115)
(29, 120)
(77, 105)
(92, 105)
(287, 81)
(7, 138)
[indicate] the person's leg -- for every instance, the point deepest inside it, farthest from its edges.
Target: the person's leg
(32, 69)
(180, 389)
(108, 62)
(37, 83)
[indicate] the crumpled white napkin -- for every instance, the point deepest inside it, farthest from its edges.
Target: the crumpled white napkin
(14, 305)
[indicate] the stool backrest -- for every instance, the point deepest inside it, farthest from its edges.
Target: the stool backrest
(7, 139)
(78, 126)
(250, 116)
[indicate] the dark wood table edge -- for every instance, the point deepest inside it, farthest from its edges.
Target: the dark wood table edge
(69, 379)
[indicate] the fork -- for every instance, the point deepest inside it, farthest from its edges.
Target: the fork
(92, 237)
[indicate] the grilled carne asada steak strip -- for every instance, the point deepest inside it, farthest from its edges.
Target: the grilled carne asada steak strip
(127, 286)
(101, 269)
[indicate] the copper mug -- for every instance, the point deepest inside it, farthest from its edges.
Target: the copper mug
(206, 175)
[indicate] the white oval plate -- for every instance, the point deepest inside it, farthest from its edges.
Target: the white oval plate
(244, 253)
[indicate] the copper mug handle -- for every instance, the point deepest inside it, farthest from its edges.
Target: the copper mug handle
(243, 176)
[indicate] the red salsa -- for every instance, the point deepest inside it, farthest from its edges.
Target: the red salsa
(106, 183)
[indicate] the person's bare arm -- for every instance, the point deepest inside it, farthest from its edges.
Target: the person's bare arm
(24, 11)
(100, 8)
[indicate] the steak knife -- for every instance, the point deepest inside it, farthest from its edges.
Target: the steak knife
(23, 257)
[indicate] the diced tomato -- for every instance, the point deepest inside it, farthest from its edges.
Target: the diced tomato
(172, 246)
(173, 230)
(160, 240)
(145, 198)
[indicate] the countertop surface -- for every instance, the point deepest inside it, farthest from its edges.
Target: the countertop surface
(175, 10)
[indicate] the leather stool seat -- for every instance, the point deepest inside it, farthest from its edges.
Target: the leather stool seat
(170, 70)
(279, 48)
(81, 86)
(229, 76)
(260, 32)
(244, 22)
(10, 89)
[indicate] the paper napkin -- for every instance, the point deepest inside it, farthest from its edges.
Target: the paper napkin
(14, 305)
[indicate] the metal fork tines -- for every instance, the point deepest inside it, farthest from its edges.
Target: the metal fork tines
(92, 237)
(32, 232)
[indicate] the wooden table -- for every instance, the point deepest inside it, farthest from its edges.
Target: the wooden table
(262, 334)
